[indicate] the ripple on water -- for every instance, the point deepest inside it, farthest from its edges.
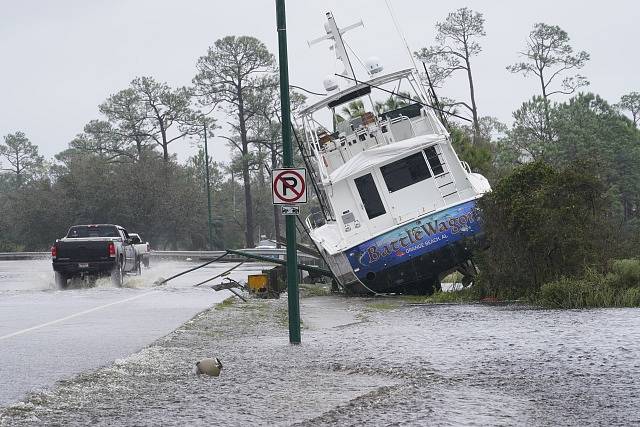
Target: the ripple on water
(415, 365)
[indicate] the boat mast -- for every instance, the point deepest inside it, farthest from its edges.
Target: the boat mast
(335, 34)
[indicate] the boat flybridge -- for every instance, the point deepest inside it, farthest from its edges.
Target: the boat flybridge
(401, 205)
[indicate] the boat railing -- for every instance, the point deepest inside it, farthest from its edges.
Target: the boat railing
(401, 127)
(466, 166)
(314, 220)
(333, 149)
(314, 143)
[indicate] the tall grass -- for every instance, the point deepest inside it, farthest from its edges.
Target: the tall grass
(627, 272)
(620, 287)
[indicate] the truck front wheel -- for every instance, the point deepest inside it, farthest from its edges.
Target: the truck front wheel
(61, 280)
(117, 275)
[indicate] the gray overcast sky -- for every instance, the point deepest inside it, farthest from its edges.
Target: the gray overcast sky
(62, 58)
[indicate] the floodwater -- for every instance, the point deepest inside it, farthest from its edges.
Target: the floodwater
(367, 362)
(47, 334)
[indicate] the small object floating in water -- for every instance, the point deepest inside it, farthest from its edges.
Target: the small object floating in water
(209, 367)
(189, 259)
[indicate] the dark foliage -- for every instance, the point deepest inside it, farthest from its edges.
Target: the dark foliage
(541, 224)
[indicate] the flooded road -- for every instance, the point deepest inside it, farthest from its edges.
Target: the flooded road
(479, 365)
(367, 362)
(48, 334)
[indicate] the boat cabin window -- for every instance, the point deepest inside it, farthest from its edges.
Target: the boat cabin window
(434, 160)
(370, 196)
(405, 172)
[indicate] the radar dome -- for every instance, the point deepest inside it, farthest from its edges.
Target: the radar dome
(330, 84)
(373, 65)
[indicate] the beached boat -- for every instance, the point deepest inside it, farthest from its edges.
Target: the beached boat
(401, 206)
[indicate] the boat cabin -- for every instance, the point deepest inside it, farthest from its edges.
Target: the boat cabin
(382, 167)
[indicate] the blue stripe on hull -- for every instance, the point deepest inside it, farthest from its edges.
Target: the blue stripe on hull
(414, 239)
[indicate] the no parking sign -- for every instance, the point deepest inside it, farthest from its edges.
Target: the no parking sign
(289, 186)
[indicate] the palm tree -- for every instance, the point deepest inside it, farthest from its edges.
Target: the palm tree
(354, 109)
(393, 102)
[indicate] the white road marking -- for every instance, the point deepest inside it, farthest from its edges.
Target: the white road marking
(53, 322)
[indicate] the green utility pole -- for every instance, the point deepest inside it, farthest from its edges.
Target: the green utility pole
(287, 157)
(206, 161)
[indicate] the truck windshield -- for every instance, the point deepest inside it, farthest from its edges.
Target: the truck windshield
(93, 231)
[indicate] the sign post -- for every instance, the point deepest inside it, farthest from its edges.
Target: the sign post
(287, 157)
(206, 157)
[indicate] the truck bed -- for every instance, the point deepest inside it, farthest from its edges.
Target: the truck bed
(84, 249)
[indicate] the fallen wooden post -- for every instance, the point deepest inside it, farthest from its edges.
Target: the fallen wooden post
(229, 286)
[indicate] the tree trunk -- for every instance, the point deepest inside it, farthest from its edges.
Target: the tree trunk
(547, 116)
(246, 176)
(165, 152)
(472, 95)
(139, 148)
(262, 176)
(18, 171)
(165, 148)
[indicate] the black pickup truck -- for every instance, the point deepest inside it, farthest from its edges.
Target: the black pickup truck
(94, 250)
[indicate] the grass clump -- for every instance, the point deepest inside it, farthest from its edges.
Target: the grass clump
(228, 302)
(463, 295)
(314, 290)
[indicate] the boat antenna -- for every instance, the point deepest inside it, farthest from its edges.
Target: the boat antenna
(401, 34)
(335, 34)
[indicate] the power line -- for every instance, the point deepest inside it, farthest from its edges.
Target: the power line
(308, 91)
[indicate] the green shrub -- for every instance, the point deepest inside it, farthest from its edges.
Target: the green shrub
(574, 293)
(541, 224)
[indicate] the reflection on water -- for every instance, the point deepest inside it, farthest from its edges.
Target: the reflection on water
(394, 364)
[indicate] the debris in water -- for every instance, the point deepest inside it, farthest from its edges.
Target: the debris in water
(209, 367)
